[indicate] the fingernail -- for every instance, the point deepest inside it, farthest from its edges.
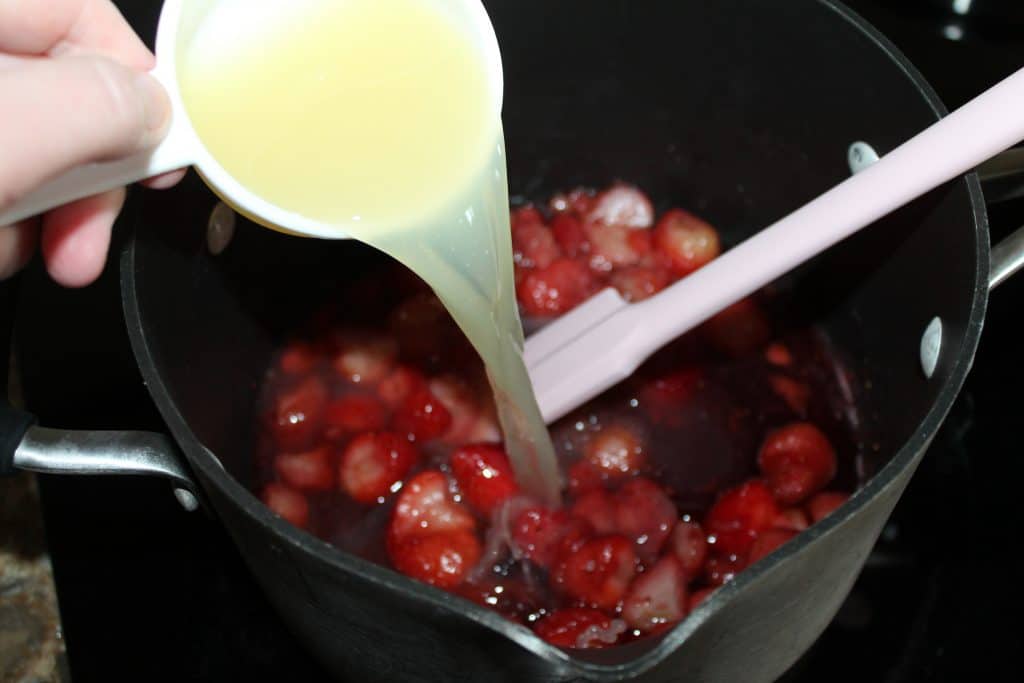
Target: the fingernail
(157, 108)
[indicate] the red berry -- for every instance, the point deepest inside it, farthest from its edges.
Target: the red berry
(298, 413)
(791, 519)
(539, 534)
(599, 572)
(739, 329)
(425, 506)
(459, 399)
(658, 596)
(533, 244)
(768, 542)
(297, 358)
(422, 416)
(306, 471)
(698, 597)
(570, 235)
(823, 504)
(719, 569)
(796, 394)
(778, 354)
(584, 478)
(797, 461)
(373, 463)
(578, 202)
(580, 628)
(440, 559)
(353, 413)
(686, 241)
(690, 546)
(597, 509)
(644, 513)
(288, 503)
(399, 384)
(622, 205)
(486, 428)
(616, 451)
(738, 516)
(639, 283)
(610, 247)
(365, 358)
(484, 476)
(556, 289)
(665, 397)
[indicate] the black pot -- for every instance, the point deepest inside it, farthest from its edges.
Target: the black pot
(741, 109)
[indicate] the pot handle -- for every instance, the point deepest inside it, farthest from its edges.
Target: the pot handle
(1007, 258)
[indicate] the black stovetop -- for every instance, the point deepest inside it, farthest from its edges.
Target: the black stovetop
(151, 593)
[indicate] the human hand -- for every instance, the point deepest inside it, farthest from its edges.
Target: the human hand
(73, 90)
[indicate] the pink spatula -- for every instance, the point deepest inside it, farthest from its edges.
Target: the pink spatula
(604, 340)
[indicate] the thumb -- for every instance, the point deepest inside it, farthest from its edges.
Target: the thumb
(64, 112)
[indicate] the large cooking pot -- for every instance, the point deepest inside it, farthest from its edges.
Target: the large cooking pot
(741, 109)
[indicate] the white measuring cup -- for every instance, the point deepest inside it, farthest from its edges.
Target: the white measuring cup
(179, 22)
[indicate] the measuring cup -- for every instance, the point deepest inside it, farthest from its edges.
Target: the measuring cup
(179, 22)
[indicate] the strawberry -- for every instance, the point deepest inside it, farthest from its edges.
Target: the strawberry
(422, 326)
(597, 509)
(579, 627)
(698, 597)
(823, 504)
(611, 247)
(623, 206)
(791, 519)
(599, 572)
(664, 398)
(459, 399)
(570, 235)
(422, 416)
(425, 506)
(525, 215)
(306, 471)
(639, 283)
(738, 516)
(298, 358)
(690, 546)
(719, 570)
(797, 461)
(658, 596)
(584, 478)
(440, 559)
(399, 384)
(686, 241)
(533, 244)
(768, 542)
(365, 358)
(738, 330)
(288, 503)
(353, 413)
(616, 451)
(556, 289)
(779, 354)
(541, 534)
(644, 513)
(297, 414)
(484, 476)
(796, 394)
(373, 463)
(577, 202)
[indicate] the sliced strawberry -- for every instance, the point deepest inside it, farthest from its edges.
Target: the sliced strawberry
(579, 628)
(556, 289)
(298, 358)
(570, 235)
(622, 205)
(440, 559)
(796, 394)
(597, 509)
(486, 428)
(664, 398)
(584, 478)
(353, 413)
(610, 247)
(399, 385)
(578, 202)
(797, 461)
(824, 504)
(639, 283)
(719, 569)
(698, 597)
(687, 241)
(533, 244)
(297, 414)
(422, 416)
(616, 451)
(307, 471)
(288, 503)
(459, 399)
(779, 354)
(484, 476)
(738, 516)
(525, 215)
(768, 542)
(738, 330)
(658, 596)
(791, 519)
(690, 546)
(599, 572)
(541, 534)
(644, 513)
(373, 463)
(425, 506)
(365, 358)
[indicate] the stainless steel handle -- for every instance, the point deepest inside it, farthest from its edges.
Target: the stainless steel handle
(62, 451)
(1007, 258)
(1002, 176)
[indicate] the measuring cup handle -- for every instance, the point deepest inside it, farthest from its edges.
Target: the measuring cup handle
(176, 151)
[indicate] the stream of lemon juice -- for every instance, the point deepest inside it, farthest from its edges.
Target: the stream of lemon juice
(378, 115)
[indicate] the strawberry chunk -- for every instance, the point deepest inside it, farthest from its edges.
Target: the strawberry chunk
(738, 330)
(616, 451)
(791, 519)
(533, 244)
(422, 416)
(597, 509)
(484, 476)
(306, 471)
(599, 572)
(459, 399)
(580, 628)
(353, 413)
(610, 247)
(797, 461)
(686, 241)
(664, 398)
(556, 289)
(541, 534)
(719, 570)
(658, 596)
(624, 206)
(440, 559)
(768, 542)
(578, 202)
(399, 385)
(298, 358)
(570, 235)
(297, 414)
(644, 513)
(739, 515)
(584, 478)
(365, 358)
(690, 546)
(373, 463)
(639, 283)
(824, 504)
(288, 503)
(796, 394)
(425, 506)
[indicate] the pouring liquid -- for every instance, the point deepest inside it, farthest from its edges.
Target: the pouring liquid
(377, 115)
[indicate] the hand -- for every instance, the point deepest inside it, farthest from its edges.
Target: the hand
(73, 90)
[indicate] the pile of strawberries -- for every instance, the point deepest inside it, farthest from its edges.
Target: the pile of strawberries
(372, 420)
